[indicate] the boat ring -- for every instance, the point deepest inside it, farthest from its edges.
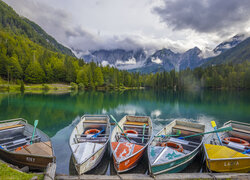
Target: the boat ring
(236, 140)
(173, 145)
(92, 131)
(131, 131)
(20, 148)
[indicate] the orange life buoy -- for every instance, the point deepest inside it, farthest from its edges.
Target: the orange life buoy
(173, 145)
(92, 131)
(131, 131)
(20, 148)
(236, 140)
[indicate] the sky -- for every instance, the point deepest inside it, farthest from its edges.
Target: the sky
(179, 25)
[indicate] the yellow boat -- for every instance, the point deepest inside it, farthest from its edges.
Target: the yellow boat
(233, 154)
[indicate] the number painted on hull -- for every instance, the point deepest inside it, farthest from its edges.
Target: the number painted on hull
(30, 159)
(231, 163)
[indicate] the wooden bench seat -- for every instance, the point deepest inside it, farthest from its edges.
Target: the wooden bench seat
(185, 128)
(95, 121)
(241, 130)
(136, 123)
(12, 126)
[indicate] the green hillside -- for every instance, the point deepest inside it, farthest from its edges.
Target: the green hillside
(11, 22)
(236, 55)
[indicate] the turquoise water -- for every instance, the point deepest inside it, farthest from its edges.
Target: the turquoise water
(57, 114)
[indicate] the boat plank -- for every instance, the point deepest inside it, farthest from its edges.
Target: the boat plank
(10, 127)
(196, 130)
(241, 130)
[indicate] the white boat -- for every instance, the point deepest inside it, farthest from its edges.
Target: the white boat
(89, 141)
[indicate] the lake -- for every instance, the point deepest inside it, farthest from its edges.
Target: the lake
(58, 113)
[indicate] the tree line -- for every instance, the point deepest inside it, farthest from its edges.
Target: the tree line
(23, 60)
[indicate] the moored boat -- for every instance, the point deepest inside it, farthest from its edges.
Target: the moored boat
(89, 141)
(233, 155)
(169, 154)
(21, 145)
(129, 141)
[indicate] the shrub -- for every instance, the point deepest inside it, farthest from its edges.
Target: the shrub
(81, 86)
(45, 87)
(74, 86)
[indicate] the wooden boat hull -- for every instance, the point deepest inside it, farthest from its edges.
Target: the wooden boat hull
(175, 166)
(34, 162)
(36, 155)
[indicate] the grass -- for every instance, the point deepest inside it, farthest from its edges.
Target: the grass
(7, 173)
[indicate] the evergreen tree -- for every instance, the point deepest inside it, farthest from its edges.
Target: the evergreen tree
(34, 73)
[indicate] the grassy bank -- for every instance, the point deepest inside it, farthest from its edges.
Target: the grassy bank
(8, 173)
(53, 88)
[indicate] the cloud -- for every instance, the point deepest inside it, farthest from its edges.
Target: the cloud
(205, 15)
(61, 24)
(93, 25)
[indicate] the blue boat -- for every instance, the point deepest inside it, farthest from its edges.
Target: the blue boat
(168, 153)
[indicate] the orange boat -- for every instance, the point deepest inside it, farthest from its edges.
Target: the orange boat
(129, 141)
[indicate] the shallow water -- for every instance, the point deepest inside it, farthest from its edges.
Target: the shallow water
(57, 114)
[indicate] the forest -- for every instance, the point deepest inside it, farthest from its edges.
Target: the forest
(23, 60)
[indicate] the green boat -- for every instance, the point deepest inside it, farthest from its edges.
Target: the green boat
(168, 153)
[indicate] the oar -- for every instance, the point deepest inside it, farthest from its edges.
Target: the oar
(246, 151)
(215, 128)
(218, 130)
(97, 134)
(35, 124)
(143, 132)
(170, 135)
(120, 128)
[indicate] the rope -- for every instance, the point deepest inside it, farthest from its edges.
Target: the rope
(119, 175)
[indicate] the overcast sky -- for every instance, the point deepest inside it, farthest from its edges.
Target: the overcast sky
(129, 24)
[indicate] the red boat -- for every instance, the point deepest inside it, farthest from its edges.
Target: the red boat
(129, 141)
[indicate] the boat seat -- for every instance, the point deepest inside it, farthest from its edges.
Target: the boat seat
(41, 148)
(185, 128)
(95, 121)
(183, 142)
(134, 126)
(241, 130)
(10, 127)
(135, 123)
(134, 137)
(19, 142)
(85, 135)
(94, 140)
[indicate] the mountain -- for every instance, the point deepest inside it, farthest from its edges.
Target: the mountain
(119, 58)
(235, 55)
(29, 54)
(12, 22)
(167, 60)
(137, 60)
(232, 42)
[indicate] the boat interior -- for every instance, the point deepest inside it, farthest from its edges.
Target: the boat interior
(16, 134)
(181, 129)
(99, 124)
(240, 135)
(137, 129)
